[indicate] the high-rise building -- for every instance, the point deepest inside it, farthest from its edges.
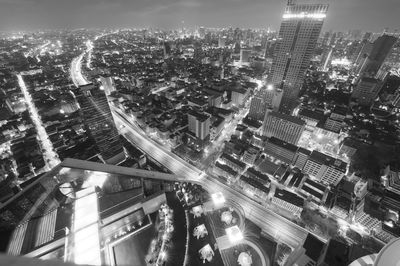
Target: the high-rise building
(380, 50)
(199, 124)
(298, 36)
(166, 49)
(266, 98)
(284, 127)
(245, 55)
(363, 50)
(99, 123)
(366, 90)
(221, 42)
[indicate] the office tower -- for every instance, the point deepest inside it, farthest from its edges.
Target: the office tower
(99, 123)
(199, 124)
(236, 48)
(366, 90)
(393, 59)
(325, 39)
(166, 49)
(298, 36)
(284, 127)
(362, 55)
(332, 42)
(380, 50)
(221, 42)
(245, 55)
(266, 98)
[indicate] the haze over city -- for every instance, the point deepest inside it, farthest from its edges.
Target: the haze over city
(368, 15)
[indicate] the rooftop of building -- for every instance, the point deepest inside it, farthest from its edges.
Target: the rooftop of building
(288, 196)
(337, 253)
(368, 80)
(255, 183)
(313, 247)
(289, 118)
(324, 159)
(314, 115)
(283, 144)
(199, 116)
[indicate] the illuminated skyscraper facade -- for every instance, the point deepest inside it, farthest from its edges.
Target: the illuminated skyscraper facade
(99, 123)
(266, 98)
(298, 35)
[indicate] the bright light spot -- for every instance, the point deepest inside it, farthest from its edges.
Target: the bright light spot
(86, 229)
(234, 234)
(341, 62)
(305, 15)
(218, 198)
(163, 254)
(96, 179)
(270, 87)
(62, 111)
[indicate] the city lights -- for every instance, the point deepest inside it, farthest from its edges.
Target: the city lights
(50, 156)
(234, 234)
(218, 198)
(304, 15)
(201, 145)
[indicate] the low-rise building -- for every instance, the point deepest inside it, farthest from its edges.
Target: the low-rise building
(254, 187)
(288, 201)
(301, 157)
(235, 164)
(314, 189)
(250, 155)
(348, 147)
(325, 168)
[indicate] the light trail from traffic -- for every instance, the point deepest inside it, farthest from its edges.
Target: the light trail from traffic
(51, 158)
(76, 71)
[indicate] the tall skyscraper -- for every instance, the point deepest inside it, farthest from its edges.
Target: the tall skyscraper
(298, 36)
(245, 55)
(380, 50)
(366, 90)
(266, 98)
(199, 124)
(99, 123)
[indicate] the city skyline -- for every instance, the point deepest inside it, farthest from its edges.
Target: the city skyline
(20, 15)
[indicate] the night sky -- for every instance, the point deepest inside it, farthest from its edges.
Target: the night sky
(368, 15)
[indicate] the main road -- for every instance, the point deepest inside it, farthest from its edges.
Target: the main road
(271, 223)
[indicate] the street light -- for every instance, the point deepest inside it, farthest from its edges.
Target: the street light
(234, 234)
(218, 198)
